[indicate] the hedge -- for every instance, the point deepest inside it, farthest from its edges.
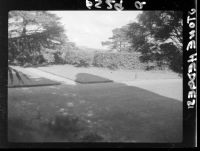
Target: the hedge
(99, 59)
(118, 60)
(78, 58)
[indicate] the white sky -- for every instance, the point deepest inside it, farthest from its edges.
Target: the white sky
(90, 28)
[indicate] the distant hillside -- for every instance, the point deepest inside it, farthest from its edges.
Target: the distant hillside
(84, 48)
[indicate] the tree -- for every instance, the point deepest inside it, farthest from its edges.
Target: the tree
(138, 36)
(164, 25)
(119, 41)
(29, 32)
(158, 36)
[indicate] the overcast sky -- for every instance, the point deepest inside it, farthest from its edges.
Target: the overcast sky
(90, 28)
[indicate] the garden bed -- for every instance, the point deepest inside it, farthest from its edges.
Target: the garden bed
(89, 78)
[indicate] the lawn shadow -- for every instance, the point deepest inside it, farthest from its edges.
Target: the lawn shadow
(146, 115)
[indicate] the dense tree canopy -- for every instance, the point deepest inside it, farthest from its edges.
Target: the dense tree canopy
(119, 41)
(163, 37)
(30, 31)
(163, 25)
(157, 36)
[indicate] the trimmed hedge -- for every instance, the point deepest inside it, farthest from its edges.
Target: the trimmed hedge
(118, 60)
(98, 59)
(78, 58)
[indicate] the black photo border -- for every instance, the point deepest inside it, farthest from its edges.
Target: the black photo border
(189, 113)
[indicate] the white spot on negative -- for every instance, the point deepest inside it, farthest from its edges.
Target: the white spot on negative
(62, 110)
(90, 113)
(82, 101)
(70, 104)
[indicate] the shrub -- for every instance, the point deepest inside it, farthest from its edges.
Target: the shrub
(52, 56)
(173, 56)
(176, 63)
(112, 66)
(78, 58)
(58, 58)
(49, 57)
(118, 60)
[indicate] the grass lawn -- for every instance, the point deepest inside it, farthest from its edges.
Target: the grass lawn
(71, 72)
(108, 112)
(164, 83)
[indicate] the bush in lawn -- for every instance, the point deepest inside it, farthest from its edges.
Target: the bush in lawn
(118, 60)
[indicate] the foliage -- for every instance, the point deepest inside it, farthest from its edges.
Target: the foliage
(52, 56)
(172, 57)
(118, 60)
(29, 31)
(119, 41)
(137, 34)
(78, 58)
(158, 36)
(36, 37)
(163, 25)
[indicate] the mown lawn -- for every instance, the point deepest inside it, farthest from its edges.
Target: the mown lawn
(71, 72)
(108, 112)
